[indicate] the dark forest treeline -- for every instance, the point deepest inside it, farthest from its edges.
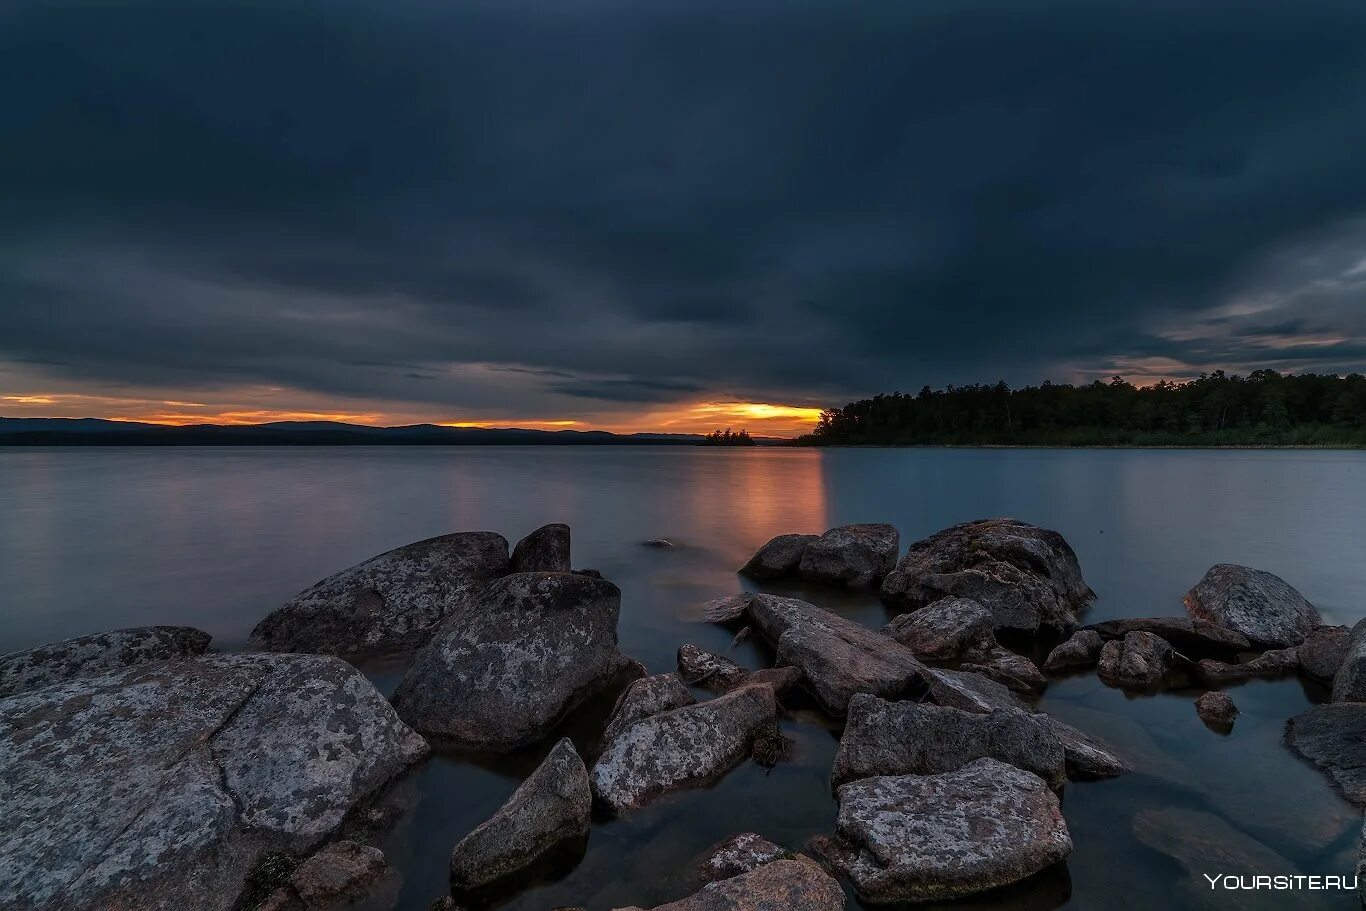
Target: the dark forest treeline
(728, 437)
(1264, 409)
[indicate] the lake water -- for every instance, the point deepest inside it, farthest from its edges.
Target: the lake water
(95, 539)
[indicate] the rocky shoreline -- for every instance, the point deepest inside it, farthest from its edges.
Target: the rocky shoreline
(143, 770)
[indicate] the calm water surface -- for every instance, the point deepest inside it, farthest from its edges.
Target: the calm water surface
(95, 539)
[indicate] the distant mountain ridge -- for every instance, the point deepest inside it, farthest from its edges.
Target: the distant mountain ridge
(100, 432)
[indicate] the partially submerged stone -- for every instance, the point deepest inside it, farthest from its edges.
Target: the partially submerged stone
(1192, 636)
(698, 667)
(850, 555)
(944, 630)
(644, 697)
(1333, 738)
(526, 650)
(1349, 682)
(1139, 660)
(87, 656)
(795, 884)
(779, 557)
(1080, 652)
(552, 806)
(1254, 603)
(1216, 708)
(1006, 667)
(1026, 576)
(739, 854)
(340, 871)
(391, 602)
(1086, 756)
(922, 838)
(545, 550)
(1271, 663)
(1323, 651)
(724, 610)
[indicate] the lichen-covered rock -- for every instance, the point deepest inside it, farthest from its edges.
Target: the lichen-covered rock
(1333, 738)
(1005, 667)
(739, 854)
(851, 555)
(161, 785)
(944, 630)
(1216, 708)
(1026, 576)
(779, 557)
(905, 738)
(1192, 636)
(644, 697)
(795, 884)
(1080, 652)
(681, 748)
(938, 837)
(1349, 683)
(553, 805)
(699, 667)
(392, 602)
(837, 656)
(87, 656)
(727, 609)
(339, 871)
(545, 550)
(508, 667)
(1272, 663)
(1253, 602)
(1140, 660)
(1323, 652)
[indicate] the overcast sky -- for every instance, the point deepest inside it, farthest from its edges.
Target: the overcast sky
(620, 213)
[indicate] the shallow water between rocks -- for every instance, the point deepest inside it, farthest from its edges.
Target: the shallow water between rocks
(96, 539)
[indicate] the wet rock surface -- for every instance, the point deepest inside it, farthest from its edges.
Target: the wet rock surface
(1272, 663)
(850, 555)
(778, 558)
(523, 652)
(1192, 636)
(553, 804)
(1255, 603)
(160, 786)
(1216, 708)
(391, 602)
(1139, 660)
(1078, 653)
(100, 653)
(740, 854)
(545, 550)
(1026, 576)
(944, 630)
(935, 837)
(796, 884)
(1333, 739)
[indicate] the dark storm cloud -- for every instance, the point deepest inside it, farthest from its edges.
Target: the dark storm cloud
(516, 206)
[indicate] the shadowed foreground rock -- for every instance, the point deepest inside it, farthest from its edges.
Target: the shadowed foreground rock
(160, 786)
(851, 555)
(1139, 660)
(1271, 663)
(1349, 682)
(1254, 603)
(944, 630)
(337, 872)
(1323, 652)
(1333, 738)
(99, 653)
(515, 660)
(554, 804)
(779, 557)
(1080, 652)
(935, 837)
(1192, 636)
(392, 602)
(1006, 667)
(545, 550)
(1216, 708)
(796, 884)
(1025, 575)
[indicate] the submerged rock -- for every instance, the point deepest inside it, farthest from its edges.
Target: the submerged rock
(938, 837)
(1260, 606)
(162, 785)
(1216, 708)
(545, 550)
(1140, 660)
(681, 748)
(1194, 636)
(699, 667)
(944, 630)
(86, 656)
(795, 884)
(1081, 652)
(388, 603)
(553, 805)
(339, 871)
(903, 738)
(1349, 683)
(851, 555)
(1323, 652)
(1026, 576)
(838, 657)
(643, 698)
(1005, 667)
(1086, 757)
(1271, 663)
(1333, 738)
(526, 650)
(739, 854)
(779, 557)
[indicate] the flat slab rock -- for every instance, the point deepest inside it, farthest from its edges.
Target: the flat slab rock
(937, 837)
(506, 668)
(86, 656)
(851, 555)
(837, 656)
(1333, 738)
(1270, 663)
(1190, 635)
(1254, 603)
(159, 786)
(1026, 576)
(391, 602)
(795, 884)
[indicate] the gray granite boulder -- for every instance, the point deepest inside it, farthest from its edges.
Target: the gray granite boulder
(1026, 576)
(779, 557)
(944, 630)
(698, 667)
(644, 697)
(505, 670)
(851, 555)
(917, 838)
(1349, 682)
(86, 656)
(837, 656)
(160, 786)
(1192, 636)
(789, 884)
(1216, 708)
(545, 550)
(1005, 667)
(1139, 660)
(392, 602)
(553, 805)
(909, 738)
(1080, 652)
(1323, 651)
(1271, 663)
(681, 748)
(739, 854)
(1333, 739)
(1260, 606)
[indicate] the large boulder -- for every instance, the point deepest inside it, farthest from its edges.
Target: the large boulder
(1192, 636)
(1323, 651)
(779, 557)
(553, 805)
(1333, 738)
(1349, 682)
(851, 555)
(508, 667)
(545, 550)
(905, 738)
(87, 656)
(393, 602)
(644, 697)
(681, 748)
(1026, 576)
(919, 838)
(789, 884)
(1254, 603)
(944, 630)
(1080, 652)
(160, 786)
(1139, 660)
(837, 656)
